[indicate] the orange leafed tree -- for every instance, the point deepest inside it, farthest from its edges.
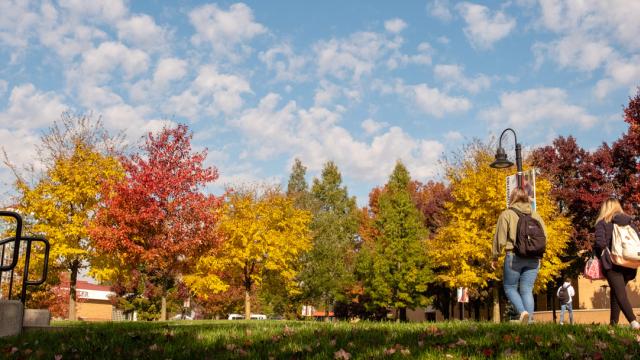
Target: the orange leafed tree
(158, 220)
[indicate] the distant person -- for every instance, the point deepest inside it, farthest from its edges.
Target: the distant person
(519, 272)
(565, 296)
(617, 276)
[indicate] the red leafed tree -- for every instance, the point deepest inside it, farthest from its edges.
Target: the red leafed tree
(625, 156)
(581, 182)
(158, 220)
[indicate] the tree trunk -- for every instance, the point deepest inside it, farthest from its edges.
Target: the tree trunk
(247, 303)
(402, 314)
(496, 305)
(163, 308)
(73, 280)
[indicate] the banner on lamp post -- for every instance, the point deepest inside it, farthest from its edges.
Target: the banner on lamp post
(529, 182)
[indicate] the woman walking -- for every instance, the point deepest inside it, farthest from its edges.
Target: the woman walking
(519, 273)
(617, 276)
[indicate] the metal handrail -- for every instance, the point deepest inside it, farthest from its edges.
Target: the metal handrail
(16, 248)
(16, 252)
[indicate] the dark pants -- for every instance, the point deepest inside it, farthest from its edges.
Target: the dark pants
(618, 277)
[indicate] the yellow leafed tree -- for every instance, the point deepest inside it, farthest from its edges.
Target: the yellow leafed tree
(461, 249)
(262, 234)
(62, 201)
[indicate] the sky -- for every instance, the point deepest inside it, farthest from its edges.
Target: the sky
(361, 83)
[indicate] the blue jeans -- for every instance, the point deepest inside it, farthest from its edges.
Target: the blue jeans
(522, 272)
(568, 306)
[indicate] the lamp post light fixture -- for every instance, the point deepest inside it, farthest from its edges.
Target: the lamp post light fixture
(502, 161)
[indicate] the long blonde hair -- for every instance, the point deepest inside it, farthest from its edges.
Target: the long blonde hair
(609, 209)
(518, 195)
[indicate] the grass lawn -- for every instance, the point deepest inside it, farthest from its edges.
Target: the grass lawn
(314, 340)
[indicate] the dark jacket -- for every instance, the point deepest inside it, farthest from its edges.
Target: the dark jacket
(604, 233)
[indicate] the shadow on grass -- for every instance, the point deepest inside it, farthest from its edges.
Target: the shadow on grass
(311, 340)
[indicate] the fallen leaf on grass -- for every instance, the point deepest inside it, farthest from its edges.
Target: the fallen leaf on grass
(287, 331)
(341, 355)
(420, 343)
(449, 356)
(333, 342)
(242, 352)
(487, 352)
(601, 345)
(571, 337)
(230, 347)
(350, 344)
(390, 351)
(461, 342)
(153, 347)
(405, 352)
(308, 348)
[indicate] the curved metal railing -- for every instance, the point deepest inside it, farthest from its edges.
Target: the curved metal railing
(17, 241)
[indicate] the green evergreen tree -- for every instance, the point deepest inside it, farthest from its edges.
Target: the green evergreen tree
(328, 268)
(399, 270)
(298, 187)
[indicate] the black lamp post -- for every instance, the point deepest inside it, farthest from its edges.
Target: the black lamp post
(503, 162)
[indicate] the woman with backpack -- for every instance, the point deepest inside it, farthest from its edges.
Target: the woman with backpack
(519, 271)
(617, 276)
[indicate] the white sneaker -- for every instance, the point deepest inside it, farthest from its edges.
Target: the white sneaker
(524, 317)
(635, 325)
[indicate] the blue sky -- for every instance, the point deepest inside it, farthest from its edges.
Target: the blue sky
(362, 83)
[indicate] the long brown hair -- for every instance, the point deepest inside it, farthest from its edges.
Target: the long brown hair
(518, 195)
(609, 209)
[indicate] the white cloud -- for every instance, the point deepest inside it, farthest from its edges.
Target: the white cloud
(395, 25)
(576, 51)
(593, 34)
(423, 57)
(443, 40)
(141, 30)
(432, 101)
(453, 136)
(440, 9)
(483, 29)
(453, 77)
(224, 30)
(541, 108)
(355, 56)
(211, 93)
(287, 65)
(620, 72)
(169, 69)
(98, 64)
(109, 11)
(30, 108)
(314, 136)
(617, 19)
(371, 126)
(3, 87)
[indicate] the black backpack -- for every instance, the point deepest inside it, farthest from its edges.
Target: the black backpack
(530, 240)
(563, 295)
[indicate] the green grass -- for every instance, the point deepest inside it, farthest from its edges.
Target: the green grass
(314, 340)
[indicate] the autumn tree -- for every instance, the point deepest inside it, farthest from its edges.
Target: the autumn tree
(78, 157)
(394, 263)
(328, 267)
(624, 154)
(461, 249)
(264, 235)
(158, 220)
